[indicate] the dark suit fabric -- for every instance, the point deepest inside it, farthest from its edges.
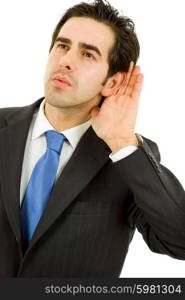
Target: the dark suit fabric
(93, 210)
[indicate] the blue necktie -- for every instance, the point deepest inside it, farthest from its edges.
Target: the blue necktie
(40, 186)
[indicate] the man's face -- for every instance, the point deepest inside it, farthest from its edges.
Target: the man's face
(79, 56)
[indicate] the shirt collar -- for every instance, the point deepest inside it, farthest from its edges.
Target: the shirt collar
(41, 125)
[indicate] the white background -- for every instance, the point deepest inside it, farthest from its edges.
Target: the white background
(25, 33)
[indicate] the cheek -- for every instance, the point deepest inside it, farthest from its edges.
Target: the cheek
(51, 63)
(93, 77)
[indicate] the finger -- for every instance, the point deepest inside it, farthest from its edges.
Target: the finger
(127, 78)
(135, 94)
(125, 81)
(94, 112)
(132, 81)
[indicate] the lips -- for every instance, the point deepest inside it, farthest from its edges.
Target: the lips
(60, 81)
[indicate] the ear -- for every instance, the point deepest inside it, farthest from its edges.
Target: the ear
(113, 83)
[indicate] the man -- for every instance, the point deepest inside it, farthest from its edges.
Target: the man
(76, 180)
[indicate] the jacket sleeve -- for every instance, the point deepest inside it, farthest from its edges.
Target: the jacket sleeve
(157, 200)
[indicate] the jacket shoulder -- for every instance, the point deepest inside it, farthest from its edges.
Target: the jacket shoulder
(7, 112)
(10, 114)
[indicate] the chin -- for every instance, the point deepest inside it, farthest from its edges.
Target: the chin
(58, 103)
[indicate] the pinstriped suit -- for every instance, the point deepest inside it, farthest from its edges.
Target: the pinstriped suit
(93, 210)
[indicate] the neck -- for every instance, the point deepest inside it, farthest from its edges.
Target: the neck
(64, 118)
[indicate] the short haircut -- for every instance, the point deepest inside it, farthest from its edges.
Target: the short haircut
(126, 47)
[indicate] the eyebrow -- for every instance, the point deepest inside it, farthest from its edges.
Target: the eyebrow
(81, 44)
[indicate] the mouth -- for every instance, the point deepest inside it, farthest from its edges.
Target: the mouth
(61, 82)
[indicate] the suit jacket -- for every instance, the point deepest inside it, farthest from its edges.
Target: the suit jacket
(93, 209)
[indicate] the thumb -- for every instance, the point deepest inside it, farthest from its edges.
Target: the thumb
(94, 112)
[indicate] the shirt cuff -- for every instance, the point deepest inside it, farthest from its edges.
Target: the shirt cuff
(126, 151)
(122, 153)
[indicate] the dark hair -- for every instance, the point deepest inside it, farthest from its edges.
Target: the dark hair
(126, 47)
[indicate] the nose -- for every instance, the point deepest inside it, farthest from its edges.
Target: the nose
(67, 61)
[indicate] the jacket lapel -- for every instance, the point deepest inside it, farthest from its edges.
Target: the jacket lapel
(89, 157)
(12, 143)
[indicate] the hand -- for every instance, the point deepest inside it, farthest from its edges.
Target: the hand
(115, 121)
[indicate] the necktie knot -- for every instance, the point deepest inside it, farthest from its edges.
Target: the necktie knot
(54, 140)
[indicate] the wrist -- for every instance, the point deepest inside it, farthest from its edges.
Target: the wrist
(117, 144)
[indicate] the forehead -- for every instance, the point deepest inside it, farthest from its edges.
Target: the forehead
(89, 31)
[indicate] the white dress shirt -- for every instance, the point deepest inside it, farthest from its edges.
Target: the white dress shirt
(36, 146)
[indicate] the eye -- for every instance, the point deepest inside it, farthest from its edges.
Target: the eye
(62, 46)
(88, 55)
